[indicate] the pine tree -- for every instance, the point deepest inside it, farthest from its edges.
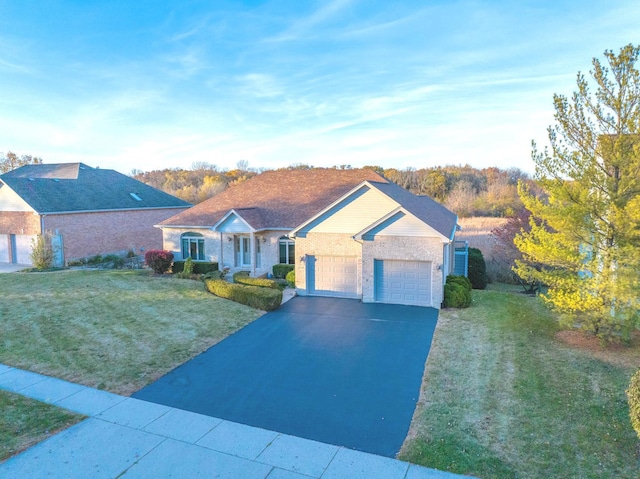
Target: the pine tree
(585, 229)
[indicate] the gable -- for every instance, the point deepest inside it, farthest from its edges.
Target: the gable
(400, 224)
(353, 213)
(233, 224)
(10, 201)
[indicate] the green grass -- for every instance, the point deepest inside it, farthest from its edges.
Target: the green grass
(503, 398)
(114, 330)
(24, 422)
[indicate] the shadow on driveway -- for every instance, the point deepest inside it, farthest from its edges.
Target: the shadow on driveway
(333, 370)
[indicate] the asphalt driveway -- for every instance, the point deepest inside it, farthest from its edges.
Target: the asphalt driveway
(333, 370)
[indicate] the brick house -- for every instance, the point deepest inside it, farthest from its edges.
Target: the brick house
(88, 210)
(349, 233)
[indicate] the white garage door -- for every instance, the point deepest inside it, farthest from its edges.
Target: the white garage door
(23, 245)
(333, 276)
(403, 282)
(4, 248)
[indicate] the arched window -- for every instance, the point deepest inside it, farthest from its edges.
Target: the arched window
(287, 250)
(192, 246)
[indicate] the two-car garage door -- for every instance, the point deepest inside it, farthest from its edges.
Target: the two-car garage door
(402, 282)
(396, 282)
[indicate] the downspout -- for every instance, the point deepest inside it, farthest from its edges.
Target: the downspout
(42, 224)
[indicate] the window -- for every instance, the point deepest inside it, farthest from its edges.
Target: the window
(287, 250)
(192, 246)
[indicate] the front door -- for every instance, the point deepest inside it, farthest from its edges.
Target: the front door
(245, 252)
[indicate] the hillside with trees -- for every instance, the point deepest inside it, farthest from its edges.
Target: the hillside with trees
(463, 189)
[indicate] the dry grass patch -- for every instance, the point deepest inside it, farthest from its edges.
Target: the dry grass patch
(503, 398)
(114, 330)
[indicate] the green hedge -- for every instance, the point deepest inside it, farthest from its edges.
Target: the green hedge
(291, 278)
(280, 270)
(243, 277)
(266, 299)
(457, 293)
(198, 267)
(461, 280)
(477, 269)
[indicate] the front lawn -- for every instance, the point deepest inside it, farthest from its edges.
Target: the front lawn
(24, 422)
(114, 330)
(504, 397)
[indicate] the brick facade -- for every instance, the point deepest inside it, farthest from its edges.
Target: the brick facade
(382, 247)
(403, 248)
(88, 234)
(221, 247)
(19, 223)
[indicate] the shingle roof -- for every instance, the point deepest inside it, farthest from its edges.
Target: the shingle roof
(284, 199)
(422, 207)
(277, 199)
(75, 187)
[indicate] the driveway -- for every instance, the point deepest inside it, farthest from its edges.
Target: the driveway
(333, 370)
(12, 267)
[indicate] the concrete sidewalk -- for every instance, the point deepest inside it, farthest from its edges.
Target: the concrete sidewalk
(126, 437)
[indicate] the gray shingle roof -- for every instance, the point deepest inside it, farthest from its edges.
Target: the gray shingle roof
(422, 207)
(75, 187)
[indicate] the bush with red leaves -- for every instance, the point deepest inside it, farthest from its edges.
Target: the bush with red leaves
(158, 260)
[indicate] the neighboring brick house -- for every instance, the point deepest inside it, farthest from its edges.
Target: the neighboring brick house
(349, 233)
(88, 210)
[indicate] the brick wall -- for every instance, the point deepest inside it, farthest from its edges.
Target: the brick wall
(224, 251)
(403, 248)
(325, 244)
(397, 247)
(88, 234)
(19, 223)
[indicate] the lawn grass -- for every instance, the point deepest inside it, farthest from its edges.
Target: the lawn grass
(25, 422)
(113, 330)
(502, 397)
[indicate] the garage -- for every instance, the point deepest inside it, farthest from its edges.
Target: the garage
(332, 276)
(403, 282)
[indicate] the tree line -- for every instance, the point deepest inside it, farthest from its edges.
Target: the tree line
(465, 190)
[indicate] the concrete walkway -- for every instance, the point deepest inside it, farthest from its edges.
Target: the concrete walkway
(130, 438)
(12, 267)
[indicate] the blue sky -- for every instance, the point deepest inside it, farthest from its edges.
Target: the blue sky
(151, 85)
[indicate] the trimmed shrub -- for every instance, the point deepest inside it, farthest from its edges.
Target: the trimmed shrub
(461, 280)
(158, 260)
(243, 277)
(457, 293)
(266, 299)
(217, 274)
(291, 278)
(477, 269)
(281, 270)
(633, 398)
(199, 267)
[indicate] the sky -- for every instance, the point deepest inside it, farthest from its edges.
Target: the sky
(149, 85)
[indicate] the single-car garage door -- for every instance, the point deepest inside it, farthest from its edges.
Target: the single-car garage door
(403, 282)
(332, 276)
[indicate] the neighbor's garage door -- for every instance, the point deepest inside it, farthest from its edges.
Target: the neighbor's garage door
(333, 276)
(4, 248)
(403, 282)
(22, 245)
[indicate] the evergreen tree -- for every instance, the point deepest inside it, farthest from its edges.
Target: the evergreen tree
(585, 229)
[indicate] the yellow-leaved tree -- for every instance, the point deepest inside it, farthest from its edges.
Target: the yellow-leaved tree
(585, 228)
